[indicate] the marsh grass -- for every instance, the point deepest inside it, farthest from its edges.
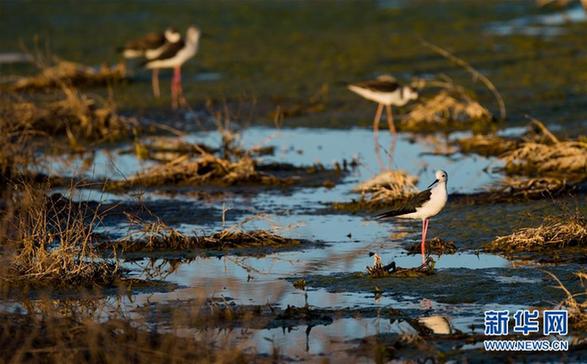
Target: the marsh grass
(158, 236)
(387, 185)
(575, 303)
(568, 158)
(448, 109)
(54, 73)
(488, 145)
(379, 270)
(28, 338)
(49, 243)
(554, 233)
(205, 169)
(435, 245)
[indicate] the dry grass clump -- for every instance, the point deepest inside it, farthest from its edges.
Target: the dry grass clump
(32, 339)
(45, 243)
(378, 270)
(205, 169)
(161, 237)
(70, 73)
(575, 303)
(165, 149)
(77, 116)
(16, 147)
(386, 186)
(554, 233)
(435, 246)
(487, 145)
(531, 188)
(447, 109)
(538, 159)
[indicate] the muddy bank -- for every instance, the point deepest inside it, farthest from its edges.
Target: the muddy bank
(556, 240)
(160, 238)
(523, 286)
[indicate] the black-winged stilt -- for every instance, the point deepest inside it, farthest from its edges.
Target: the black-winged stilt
(423, 205)
(385, 91)
(151, 46)
(174, 56)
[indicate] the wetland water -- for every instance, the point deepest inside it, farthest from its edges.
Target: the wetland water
(466, 284)
(264, 56)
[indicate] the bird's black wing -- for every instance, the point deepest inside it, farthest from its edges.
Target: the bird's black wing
(408, 205)
(170, 51)
(378, 85)
(149, 41)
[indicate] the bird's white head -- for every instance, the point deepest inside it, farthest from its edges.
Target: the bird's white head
(410, 93)
(172, 35)
(193, 34)
(441, 177)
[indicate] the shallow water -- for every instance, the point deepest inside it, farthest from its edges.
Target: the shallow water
(347, 239)
(549, 25)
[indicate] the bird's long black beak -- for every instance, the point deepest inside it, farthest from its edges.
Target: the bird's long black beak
(433, 183)
(207, 35)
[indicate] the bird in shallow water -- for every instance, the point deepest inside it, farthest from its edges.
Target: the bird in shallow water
(174, 57)
(385, 91)
(149, 47)
(423, 206)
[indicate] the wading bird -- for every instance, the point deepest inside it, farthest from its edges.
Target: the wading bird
(149, 47)
(174, 56)
(423, 205)
(385, 91)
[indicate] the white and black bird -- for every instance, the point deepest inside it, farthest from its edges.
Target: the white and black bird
(149, 47)
(174, 56)
(423, 206)
(385, 91)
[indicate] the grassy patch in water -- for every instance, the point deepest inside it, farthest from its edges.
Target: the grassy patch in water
(554, 234)
(160, 237)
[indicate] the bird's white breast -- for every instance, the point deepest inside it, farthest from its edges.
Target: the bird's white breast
(438, 198)
(385, 98)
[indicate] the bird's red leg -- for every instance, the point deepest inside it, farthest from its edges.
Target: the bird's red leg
(424, 231)
(376, 134)
(390, 123)
(155, 82)
(391, 126)
(182, 101)
(174, 88)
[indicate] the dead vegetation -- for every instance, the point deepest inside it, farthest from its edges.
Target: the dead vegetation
(451, 108)
(386, 186)
(568, 158)
(488, 145)
(16, 147)
(54, 73)
(158, 236)
(378, 270)
(50, 244)
(29, 338)
(69, 113)
(536, 153)
(435, 246)
(206, 169)
(553, 234)
(575, 303)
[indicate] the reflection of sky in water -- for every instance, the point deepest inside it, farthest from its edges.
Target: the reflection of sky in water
(260, 280)
(317, 145)
(540, 25)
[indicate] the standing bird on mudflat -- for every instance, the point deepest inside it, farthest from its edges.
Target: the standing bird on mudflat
(423, 206)
(174, 56)
(385, 91)
(151, 46)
